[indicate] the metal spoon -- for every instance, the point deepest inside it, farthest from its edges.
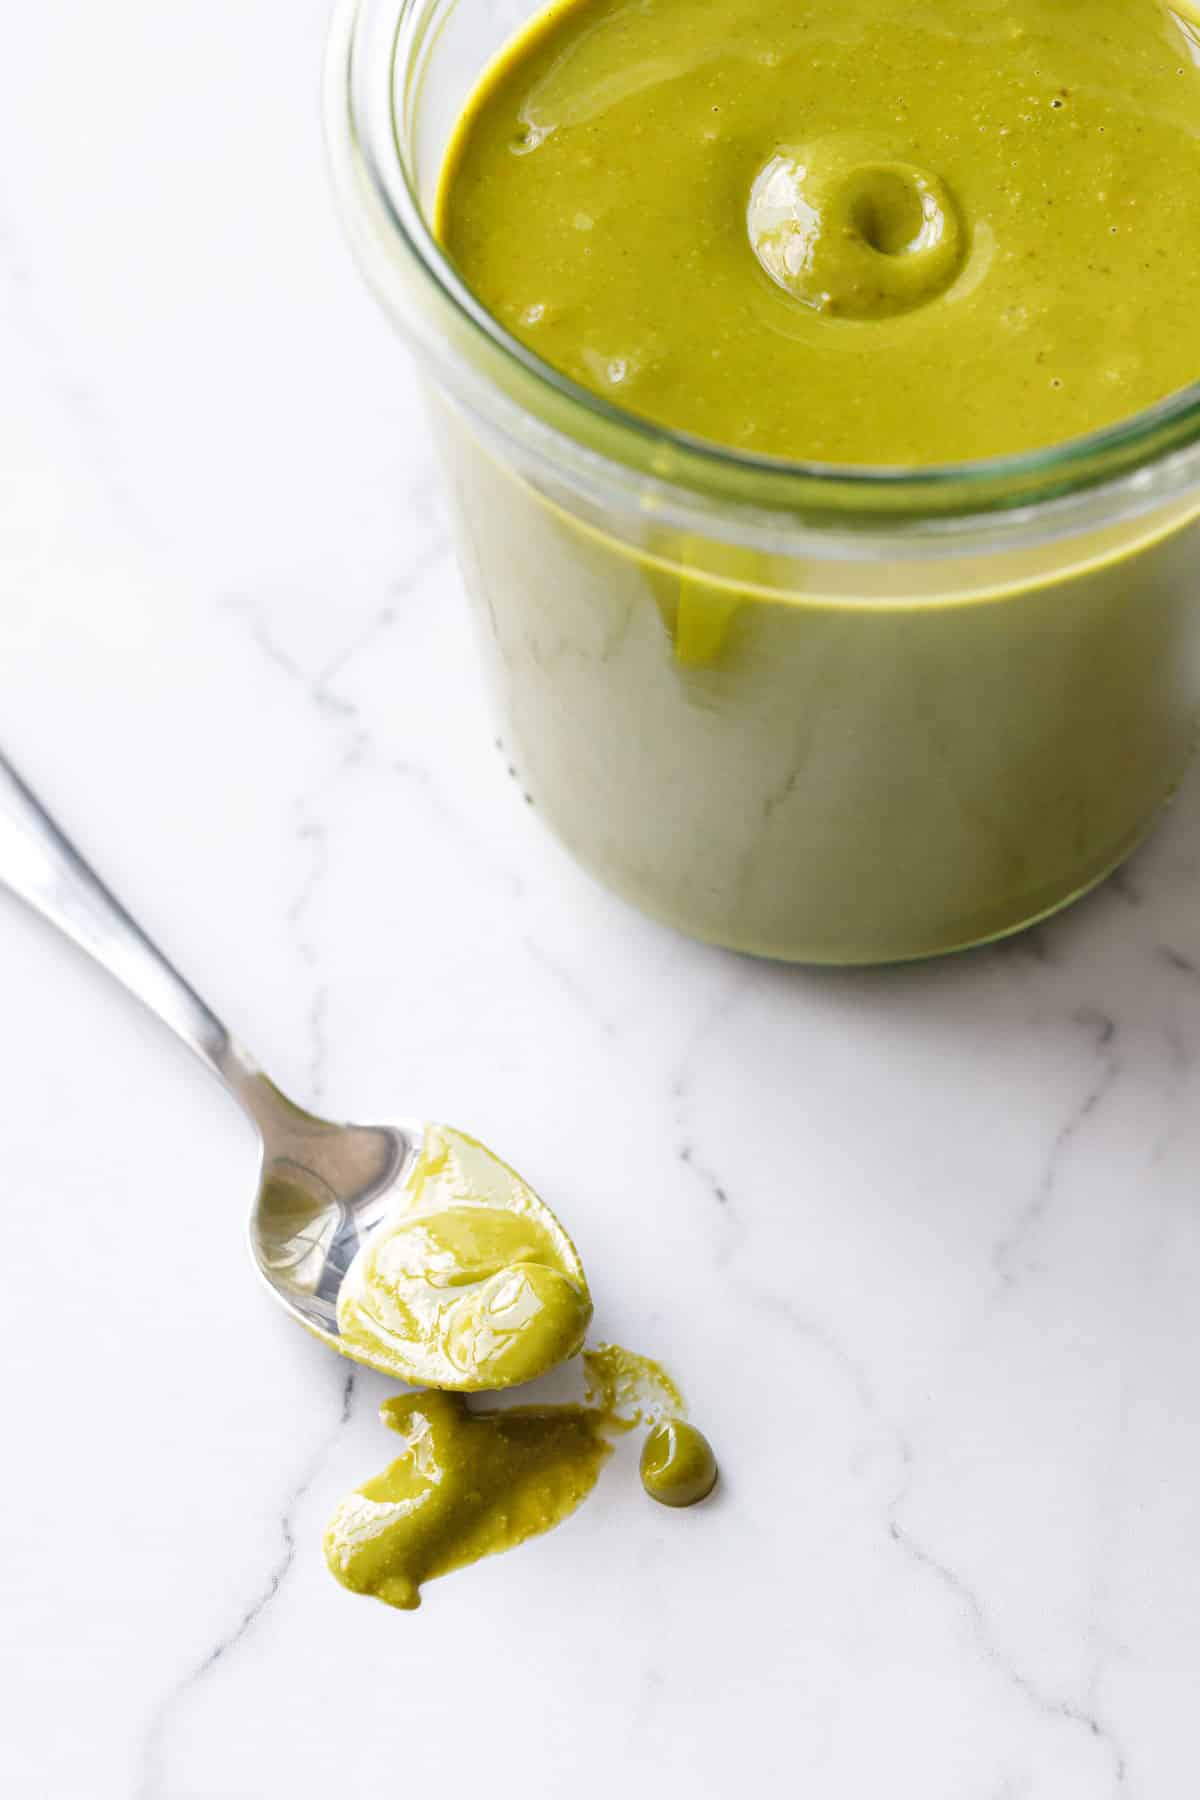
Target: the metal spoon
(323, 1188)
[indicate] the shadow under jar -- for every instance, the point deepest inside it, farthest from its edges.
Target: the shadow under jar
(825, 714)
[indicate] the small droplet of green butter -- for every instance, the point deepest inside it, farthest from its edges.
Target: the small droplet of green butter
(678, 1465)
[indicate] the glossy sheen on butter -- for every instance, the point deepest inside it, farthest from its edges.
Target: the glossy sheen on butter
(468, 1484)
(471, 1482)
(876, 231)
(473, 1284)
(678, 1466)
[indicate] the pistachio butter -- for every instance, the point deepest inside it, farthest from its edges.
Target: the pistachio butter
(467, 1485)
(471, 1482)
(472, 1283)
(864, 232)
(678, 1465)
(857, 233)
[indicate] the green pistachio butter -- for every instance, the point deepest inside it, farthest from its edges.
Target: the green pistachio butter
(885, 232)
(678, 1465)
(878, 231)
(471, 1482)
(472, 1284)
(467, 1485)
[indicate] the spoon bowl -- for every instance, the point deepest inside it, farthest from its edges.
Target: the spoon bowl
(323, 1190)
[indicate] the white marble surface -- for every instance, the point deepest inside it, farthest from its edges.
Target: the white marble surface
(953, 1211)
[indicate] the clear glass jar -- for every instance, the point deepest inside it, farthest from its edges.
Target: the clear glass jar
(832, 715)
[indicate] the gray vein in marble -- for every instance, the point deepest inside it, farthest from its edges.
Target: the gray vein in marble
(1052, 1707)
(703, 1174)
(811, 1329)
(1008, 1250)
(816, 1331)
(278, 657)
(360, 749)
(582, 1000)
(318, 1013)
(378, 628)
(82, 410)
(708, 1179)
(314, 835)
(1175, 959)
(420, 776)
(1181, 1044)
(320, 692)
(681, 1086)
(436, 552)
(320, 688)
(151, 1760)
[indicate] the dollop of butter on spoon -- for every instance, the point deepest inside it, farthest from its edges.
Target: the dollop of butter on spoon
(472, 1284)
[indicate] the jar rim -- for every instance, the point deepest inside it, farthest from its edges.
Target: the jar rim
(1153, 455)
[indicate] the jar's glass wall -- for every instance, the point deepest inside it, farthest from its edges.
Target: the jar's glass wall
(801, 775)
(850, 748)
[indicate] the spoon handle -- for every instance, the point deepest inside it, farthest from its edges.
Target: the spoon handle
(38, 862)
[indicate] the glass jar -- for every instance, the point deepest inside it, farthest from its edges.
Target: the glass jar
(828, 714)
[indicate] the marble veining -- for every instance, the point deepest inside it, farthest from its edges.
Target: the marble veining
(1010, 1252)
(923, 1245)
(150, 1781)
